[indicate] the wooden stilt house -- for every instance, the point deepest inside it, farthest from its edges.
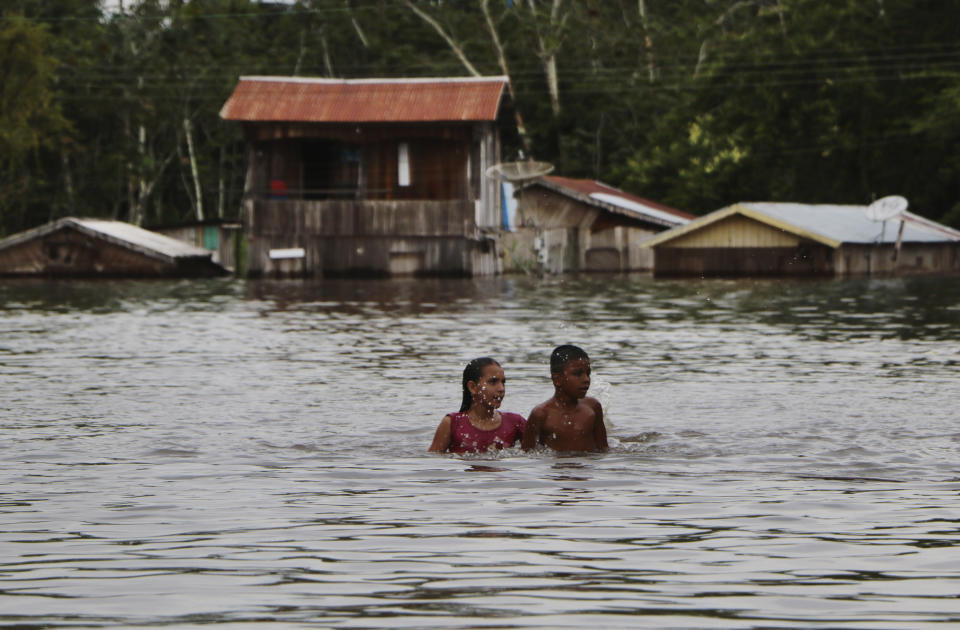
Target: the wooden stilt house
(373, 176)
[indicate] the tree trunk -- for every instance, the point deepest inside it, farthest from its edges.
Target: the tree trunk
(194, 171)
(68, 183)
(356, 27)
(783, 20)
(701, 59)
(326, 54)
(553, 84)
(494, 37)
(719, 22)
(502, 62)
(598, 148)
(300, 53)
(457, 50)
(221, 185)
(548, 56)
(647, 41)
(139, 194)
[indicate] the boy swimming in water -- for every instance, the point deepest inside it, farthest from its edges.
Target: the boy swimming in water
(570, 420)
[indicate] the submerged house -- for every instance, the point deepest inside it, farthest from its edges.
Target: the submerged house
(567, 224)
(72, 247)
(371, 176)
(803, 239)
(222, 238)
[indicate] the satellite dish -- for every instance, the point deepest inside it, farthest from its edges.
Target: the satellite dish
(887, 208)
(519, 171)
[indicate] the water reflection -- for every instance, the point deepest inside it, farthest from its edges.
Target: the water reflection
(218, 451)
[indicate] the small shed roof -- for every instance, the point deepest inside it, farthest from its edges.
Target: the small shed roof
(832, 225)
(300, 99)
(124, 234)
(612, 199)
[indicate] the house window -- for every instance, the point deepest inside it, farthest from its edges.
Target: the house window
(403, 164)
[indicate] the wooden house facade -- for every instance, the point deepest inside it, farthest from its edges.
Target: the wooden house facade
(756, 239)
(376, 176)
(570, 225)
(72, 247)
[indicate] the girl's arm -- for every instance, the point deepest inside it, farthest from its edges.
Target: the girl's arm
(531, 432)
(441, 439)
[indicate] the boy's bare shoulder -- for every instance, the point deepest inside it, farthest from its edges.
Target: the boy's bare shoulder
(593, 402)
(543, 408)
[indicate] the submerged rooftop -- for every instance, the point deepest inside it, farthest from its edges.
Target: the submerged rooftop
(830, 224)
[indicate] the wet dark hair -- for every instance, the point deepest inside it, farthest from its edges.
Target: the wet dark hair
(473, 372)
(562, 355)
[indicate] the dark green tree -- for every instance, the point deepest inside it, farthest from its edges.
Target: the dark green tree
(30, 117)
(696, 103)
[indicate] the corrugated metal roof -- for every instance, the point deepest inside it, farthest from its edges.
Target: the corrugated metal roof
(599, 194)
(849, 224)
(141, 238)
(124, 234)
(298, 99)
(829, 224)
(639, 208)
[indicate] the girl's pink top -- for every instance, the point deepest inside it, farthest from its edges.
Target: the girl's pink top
(466, 438)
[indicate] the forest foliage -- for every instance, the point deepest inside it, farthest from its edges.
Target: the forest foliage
(693, 103)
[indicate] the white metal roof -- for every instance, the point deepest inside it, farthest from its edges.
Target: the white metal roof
(143, 238)
(830, 224)
(640, 208)
(125, 234)
(849, 224)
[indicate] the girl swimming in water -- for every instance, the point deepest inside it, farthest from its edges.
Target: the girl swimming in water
(478, 425)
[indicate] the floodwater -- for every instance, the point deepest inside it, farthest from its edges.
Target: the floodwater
(196, 453)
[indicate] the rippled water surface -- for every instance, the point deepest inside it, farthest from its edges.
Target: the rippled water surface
(785, 455)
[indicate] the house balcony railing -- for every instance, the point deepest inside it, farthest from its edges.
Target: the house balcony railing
(355, 218)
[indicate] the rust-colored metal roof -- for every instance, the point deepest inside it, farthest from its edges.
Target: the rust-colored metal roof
(599, 192)
(298, 99)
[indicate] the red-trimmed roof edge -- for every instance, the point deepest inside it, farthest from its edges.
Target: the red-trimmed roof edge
(586, 187)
